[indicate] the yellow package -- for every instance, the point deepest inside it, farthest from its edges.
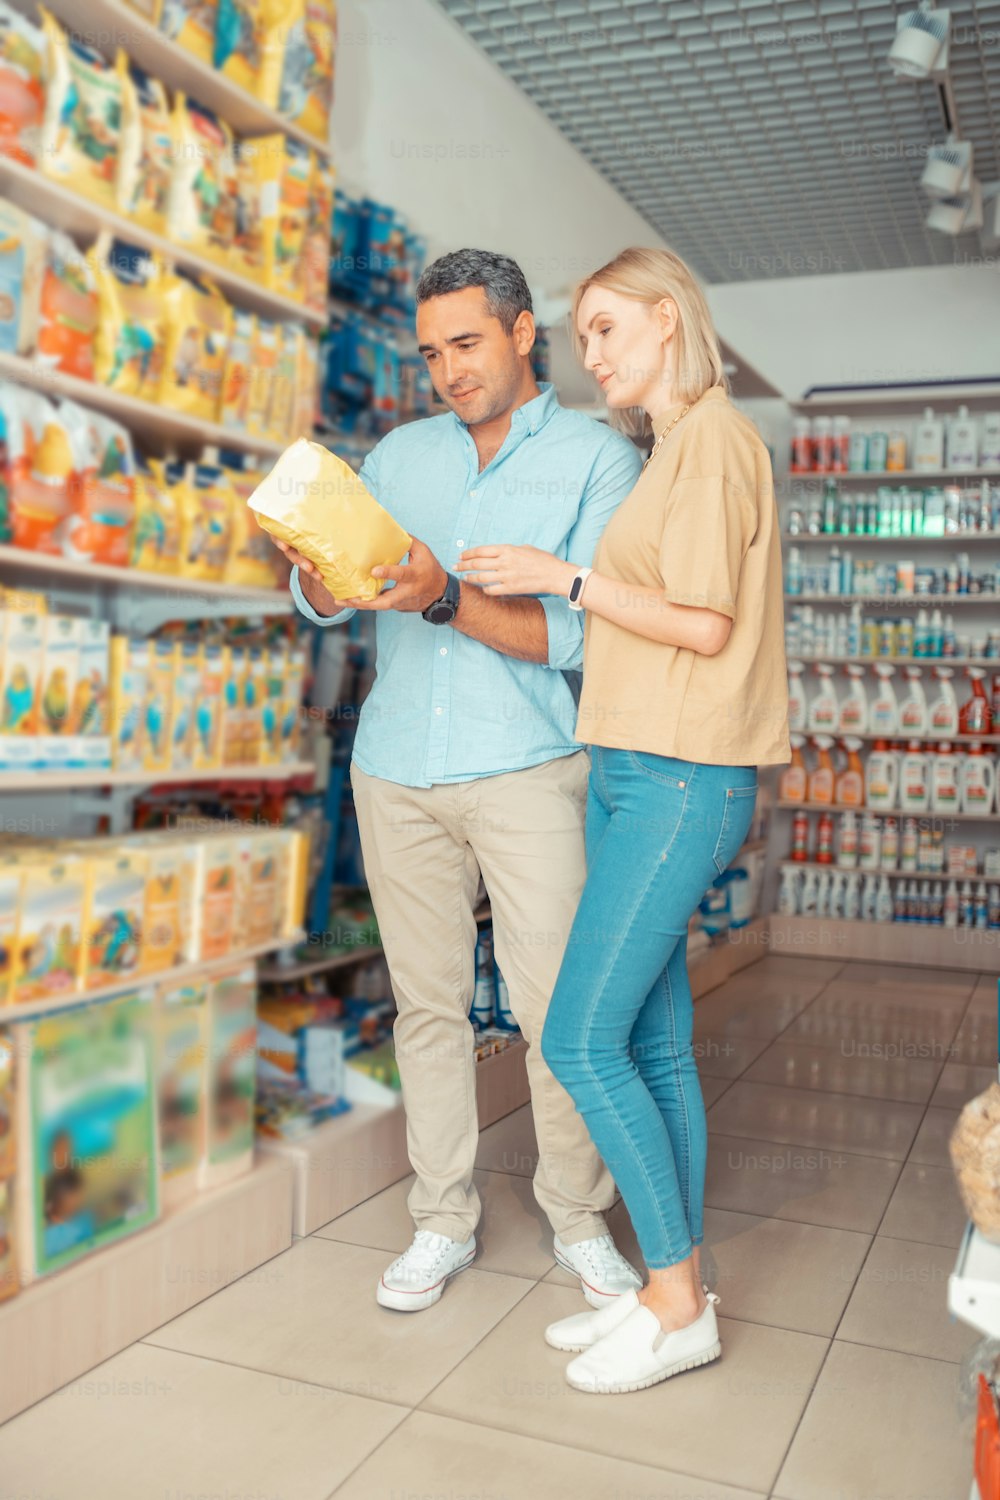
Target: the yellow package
(191, 24)
(277, 666)
(306, 384)
(194, 360)
(10, 915)
(81, 128)
(315, 503)
(205, 501)
(57, 691)
(50, 945)
(283, 48)
(23, 662)
(187, 690)
(290, 733)
(314, 264)
(249, 43)
(306, 94)
(115, 915)
(169, 895)
(90, 748)
(282, 408)
(262, 376)
(260, 161)
(131, 327)
(283, 250)
(159, 706)
(231, 727)
(236, 380)
(297, 878)
(215, 896)
(148, 8)
(130, 664)
(254, 699)
(208, 717)
(156, 540)
(147, 149)
(203, 199)
(252, 554)
(264, 906)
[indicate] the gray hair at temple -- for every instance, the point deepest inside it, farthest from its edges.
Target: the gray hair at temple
(501, 278)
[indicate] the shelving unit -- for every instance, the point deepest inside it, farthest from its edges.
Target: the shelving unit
(883, 942)
(904, 661)
(889, 601)
(194, 591)
(940, 819)
(63, 781)
(869, 477)
(893, 872)
(909, 398)
(958, 539)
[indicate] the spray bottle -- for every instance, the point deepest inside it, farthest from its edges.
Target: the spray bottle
(823, 711)
(854, 708)
(821, 778)
(798, 717)
(944, 709)
(913, 709)
(883, 713)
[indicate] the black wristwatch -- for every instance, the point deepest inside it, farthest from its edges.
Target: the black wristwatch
(444, 610)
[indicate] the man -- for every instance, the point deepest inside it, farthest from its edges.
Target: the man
(465, 758)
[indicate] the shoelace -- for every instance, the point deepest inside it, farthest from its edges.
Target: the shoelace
(594, 1248)
(426, 1252)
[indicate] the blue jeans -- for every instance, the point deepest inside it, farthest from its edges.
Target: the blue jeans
(619, 1026)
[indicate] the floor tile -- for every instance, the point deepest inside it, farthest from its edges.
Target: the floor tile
(850, 1068)
(870, 1127)
(985, 993)
(713, 1088)
(880, 1028)
(777, 966)
(741, 1013)
(959, 1083)
(804, 1184)
(510, 1144)
(315, 1319)
(925, 1206)
(152, 1422)
(880, 1424)
(901, 1302)
(514, 1235)
(730, 1421)
(953, 981)
(976, 1039)
(931, 1144)
(849, 998)
(722, 1056)
(431, 1456)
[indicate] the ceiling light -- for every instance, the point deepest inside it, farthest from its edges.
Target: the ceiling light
(948, 170)
(920, 48)
(958, 214)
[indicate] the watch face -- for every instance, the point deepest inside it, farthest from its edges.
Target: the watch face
(441, 612)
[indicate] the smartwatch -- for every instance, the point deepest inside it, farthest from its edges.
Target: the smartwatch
(444, 610)
(576, 588)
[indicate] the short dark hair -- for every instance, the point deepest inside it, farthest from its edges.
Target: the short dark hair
(500, 277)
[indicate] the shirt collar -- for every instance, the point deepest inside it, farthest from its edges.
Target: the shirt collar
(533, 414)
(663, 421)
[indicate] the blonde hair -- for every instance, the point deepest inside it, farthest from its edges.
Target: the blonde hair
(649, 276)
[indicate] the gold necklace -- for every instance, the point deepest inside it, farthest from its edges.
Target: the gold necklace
(669, 428)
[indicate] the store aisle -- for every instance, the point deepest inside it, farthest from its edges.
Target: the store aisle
(832, 1226)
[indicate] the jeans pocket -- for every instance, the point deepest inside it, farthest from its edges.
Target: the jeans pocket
(660, 768)
(736, 819)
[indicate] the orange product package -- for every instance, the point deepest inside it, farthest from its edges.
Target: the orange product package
(39, 470)
(236, 381)
(69, 309)
(103, 492)
(283, 249)
(263, 371)
(22, 86)
(314, 264)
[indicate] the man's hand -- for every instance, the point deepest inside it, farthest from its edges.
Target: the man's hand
(313, 588)
(418, 583)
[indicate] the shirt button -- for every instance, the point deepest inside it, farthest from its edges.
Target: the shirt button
(444, 650)
(460, 543)
(473, 492)
(439, 710)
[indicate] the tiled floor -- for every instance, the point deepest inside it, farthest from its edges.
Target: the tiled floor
(831, 1227)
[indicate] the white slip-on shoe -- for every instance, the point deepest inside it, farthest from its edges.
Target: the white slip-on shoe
(584, 1330)
(638, 1353)
(416, 1279)
(604, 1272)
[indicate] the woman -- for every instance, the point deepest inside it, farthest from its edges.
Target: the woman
(684, 696)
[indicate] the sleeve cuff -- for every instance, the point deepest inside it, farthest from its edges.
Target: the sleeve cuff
(305, 608)
(565, 627)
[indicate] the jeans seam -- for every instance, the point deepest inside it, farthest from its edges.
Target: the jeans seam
(665, 980)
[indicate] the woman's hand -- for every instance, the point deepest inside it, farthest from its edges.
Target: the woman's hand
(516, 570)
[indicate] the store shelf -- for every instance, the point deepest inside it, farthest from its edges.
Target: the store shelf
(202, 969)
(894, 873)
(887, 601)
(974, 1285)
(126, 580)
(957, 539)
(160, 424)
(64, 781)
(905, 943)
(900, 661)
(941, 819)
(905, 734)
(347, 1160)
(65, 1324)
(283, 973)
(896, 398)
(59, 206)
(869, 477)
(110, 24)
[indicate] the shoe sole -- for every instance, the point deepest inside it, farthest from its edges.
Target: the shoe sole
(568, 1348)
(590, 1292)
(620, 1388)
(428, 1296)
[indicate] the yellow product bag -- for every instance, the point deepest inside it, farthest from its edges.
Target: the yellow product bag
(203, 197)
(263, 369)
(306, 383)
(206, 504)
(314, 265)
(260, 160)
(250, 42)
(253, 559)
(283, 249)
(306, 93)
(82, 124)
(198, 320)
(239, 364)
(282, 409)
(147, 152)
(191, 24)
(128, 338)
(156, 539)
(315, 503)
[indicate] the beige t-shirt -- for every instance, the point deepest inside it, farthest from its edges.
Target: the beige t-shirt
(700, 526)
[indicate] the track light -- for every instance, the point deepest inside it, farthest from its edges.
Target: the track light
(948, 169)
(959, 214)
(920, 48)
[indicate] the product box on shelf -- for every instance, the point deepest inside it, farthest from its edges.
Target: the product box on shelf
(215, 887)
(115, 914)
(232, 1047)
(57, 695)
(182, 1095)
(90, 740)
(23, 662)
(8, 1081)
(50, 947)
(168, 913)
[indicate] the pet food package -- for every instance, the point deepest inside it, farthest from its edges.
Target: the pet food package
(20, 684)
(259, 163)
(253, 557)
(236, 380)
(22, 263)
(22, 86)
(315, 503)
(231, 707)
(69, 309)
(156, 535)
(203, 197)
(115, 914)
(50, 949)
(8, 1138)
(147, 152)
(263, 367)
(283, 250)
(57, 691)
(306, 91)
(99, 528)
(187, 687)
(206, 503)
(39, 469)
(10, 1283)
(90, 743)
(168, 897)
(87, 1166)
(197, 341)
(314, 263)
(10, 916)
(158, 714)
(305, 413)
(291, 714)
(208, 717)
(182, 1102)
(191, 24)
(232, 1068)
(277, 665)
(130, 677)
(215, 897)
(249, 43)
(84, 104)
(282, 407)
(131, 330)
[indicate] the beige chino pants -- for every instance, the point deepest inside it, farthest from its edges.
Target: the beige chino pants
(424, 848)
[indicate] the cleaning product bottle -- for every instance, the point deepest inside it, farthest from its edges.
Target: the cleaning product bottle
(925, 901)
(909, 844)
(883, 901)
(951, 904)
(994, 914)
(935, 639)
(946, 779)
(976, 714)
(854, 708)
(869, 637)
(793, 572)
(922, 635)
(904, 636)
(823, 711)
(963, 442)
(982, 912)
(937, 904)
(900, 909)
(848, 853)
(807, 898)
(978, 781)
(824, 839)
(966, 907)
(852, 897)
(821, 778)
(837, 883)
(788, 895)
(800, 837)
(869, 896)
(850, 783)
(870, 843)
(792, 783)
(913, 709)
(881, 777)
(928, 442)
(823, 893)
(914, 779)
(883, 712)
(854, 629)
(913, 902)
(798, 717)
(890, 843)
(943, 715)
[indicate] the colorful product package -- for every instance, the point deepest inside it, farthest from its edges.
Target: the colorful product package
(277, 666)
(68, 309)
(236, 381)
(264, 906)
(306, 93)
(147, 153)
(39, 469)
(100, 526)
(156, 537)
(167, 918)
(23, 662)
(311, 497)
(22, 86)
(314, 266)
(282, 408)
(231, 706)
(263, 367)
(205, 501)
(8, 1135)
(81, 126)
(254, 699)
(252, 554)
(291, 713)
(194, 361)
(249, 38)
(130, 673)
(50, 944)
(10, 1283)
(22, 263)
(215, 897)
(158, 714)
(283, 250)
(187, 689)
(232, 1055)
(208, 717)
(115, 915)
(182, 1104)
(87, 1128)
(90, 743)
(10, 913)
(259, 163)
(191, 24)
(131, 331)
(297, 878)
(58, 691)
(204, 191)
(306, 409)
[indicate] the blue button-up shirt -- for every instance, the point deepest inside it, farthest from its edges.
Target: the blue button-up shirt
(445, 707)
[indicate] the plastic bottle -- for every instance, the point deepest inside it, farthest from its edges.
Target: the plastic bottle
(914, 779)
(928, 443)
(982, 910)
(824, 839)
(847, 855)
(890, 843)
(854, 631)
(913, 902)
(935, 640)
(853, 717)
(994, 906)
(869, 896)
(857, 459)
(833, 568)
(978, 781)
(869, 637)
(821, 777)
(881, 778)
(925, 902)
(966, 907)
(946, 779)
(798, 715)
(922, 636)
(883, 901)
(951, 904)
(852, 897)
(870, 843)
(788, 894)
(895, 457)
(976, 714)
(963, 443)
(800, 837)
(943, 713)
(837, 884)
(793, 572)
(937, 904)
(904, 636)
(792, 783)
(841, 446)
(807, 900)
(801, 446)
(824, 711)
(900, 906)
(883, 711)
(913, 709)
(823, 893)
(849, 790)
(909, 844)
(949, 640)
(829, 507)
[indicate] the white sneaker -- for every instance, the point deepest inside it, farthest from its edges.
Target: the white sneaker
(604, 1272)
(638, 1353)
(584, 1330)
(416, 1279)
